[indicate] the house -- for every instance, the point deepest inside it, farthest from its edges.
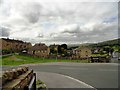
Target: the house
(11, 45)
(39, 50)
(96, 50)
(116, 54)
(81, 52)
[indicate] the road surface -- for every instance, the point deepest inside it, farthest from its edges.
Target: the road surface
(98, 75)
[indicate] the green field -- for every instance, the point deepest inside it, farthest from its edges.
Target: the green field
(0, 62)
(99, 55)
(20, 59)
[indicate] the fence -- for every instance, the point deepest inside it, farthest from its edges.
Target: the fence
(100, 59)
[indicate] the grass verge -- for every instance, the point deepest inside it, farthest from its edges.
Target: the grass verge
(20, 59)
(40, 85)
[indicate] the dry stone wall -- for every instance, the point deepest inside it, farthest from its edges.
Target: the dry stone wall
(17, 79)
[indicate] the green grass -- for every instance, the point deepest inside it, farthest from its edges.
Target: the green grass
(20, 59)
(99, 54)
(0, 61)
(40, 85)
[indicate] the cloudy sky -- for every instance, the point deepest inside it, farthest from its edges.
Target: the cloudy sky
(59, 21)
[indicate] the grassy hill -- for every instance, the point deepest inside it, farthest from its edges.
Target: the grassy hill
(114, 42)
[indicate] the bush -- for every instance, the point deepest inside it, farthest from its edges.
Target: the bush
(6, 51)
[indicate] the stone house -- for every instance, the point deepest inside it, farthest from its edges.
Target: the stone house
(39, 50)
(81, 52)
(13, 45)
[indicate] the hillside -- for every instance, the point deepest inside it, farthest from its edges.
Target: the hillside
(114, 42)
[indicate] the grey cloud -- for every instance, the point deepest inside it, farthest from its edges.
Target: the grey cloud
(31, 11)
(52, 34)
(40, 35)
(4, 32)
(5, 9)
(119, 19)
(1, 2)
(29, 17)
(74, 30)
(96, 35)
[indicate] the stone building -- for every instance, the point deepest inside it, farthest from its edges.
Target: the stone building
(81, 52)
(39, 50)
(12, 45)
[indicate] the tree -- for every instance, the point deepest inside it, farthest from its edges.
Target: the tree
(63, 49)
(59, 49)
(109, 49)
(64, 46)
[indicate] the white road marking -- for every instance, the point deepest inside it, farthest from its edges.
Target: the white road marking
(85, 85)
(81, 82)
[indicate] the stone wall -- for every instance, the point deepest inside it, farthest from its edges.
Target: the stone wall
(17, 78)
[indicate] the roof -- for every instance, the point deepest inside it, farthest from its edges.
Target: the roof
(54, 45)
(15, 41)
(12, 40)
(39, 46)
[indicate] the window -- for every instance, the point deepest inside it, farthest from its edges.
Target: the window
(20, 46)
(86, 55)
(34, 52)
(24, 46)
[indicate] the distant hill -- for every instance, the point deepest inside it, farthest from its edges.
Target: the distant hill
(107, 43)
(99, 44)
(78, 45)
(73, 45)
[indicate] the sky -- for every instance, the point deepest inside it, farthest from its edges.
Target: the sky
(59, 21)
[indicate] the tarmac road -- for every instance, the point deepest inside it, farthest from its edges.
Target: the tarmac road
(97, 75)
(54, 80)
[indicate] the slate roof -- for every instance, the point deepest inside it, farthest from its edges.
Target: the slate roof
(39, 46)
